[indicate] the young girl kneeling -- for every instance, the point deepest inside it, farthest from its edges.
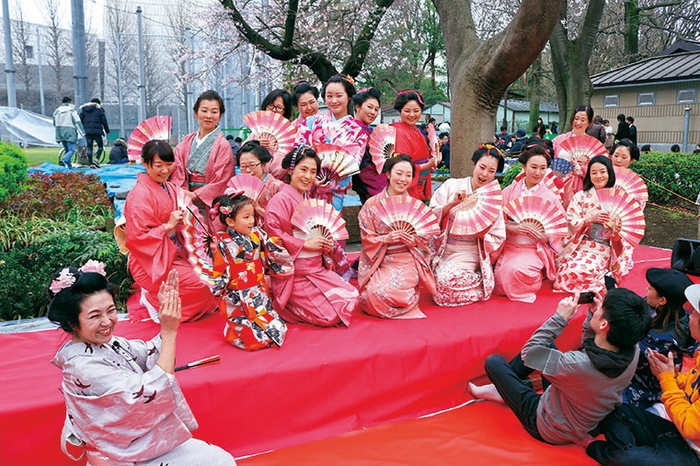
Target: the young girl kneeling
(239, 268)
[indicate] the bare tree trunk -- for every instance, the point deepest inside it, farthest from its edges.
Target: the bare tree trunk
(477, 75)
(534, 86)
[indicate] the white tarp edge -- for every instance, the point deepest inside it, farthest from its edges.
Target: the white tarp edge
(26, 128)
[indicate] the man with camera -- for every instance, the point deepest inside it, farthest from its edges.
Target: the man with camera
(582, 386)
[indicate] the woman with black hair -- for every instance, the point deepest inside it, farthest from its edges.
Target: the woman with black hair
(305, 99)
(253, 159)
(593, 247)
(278, 101)
(123, 402)
(368, 182)
(581, 119)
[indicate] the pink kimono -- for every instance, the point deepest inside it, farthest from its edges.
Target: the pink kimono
(518, 272)
(271, 186)
(573, 181)
(219, 169)
(462, 265)
(152, 253)
(315, 294)
(389, 274)
(589, 252)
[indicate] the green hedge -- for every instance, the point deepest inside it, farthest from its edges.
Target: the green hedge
(13, 170)
(25, 272)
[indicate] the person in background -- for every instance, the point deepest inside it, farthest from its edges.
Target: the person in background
(119, 152)
(521, 138)
(444, 127)
(278, 101)
(540, 128)
(69, 129)
(632, 130)
(445, 150)
(233, 144)
(609, 136)
(675, 148)
(597, 129)
(646, 148)
(623, 129)
(553, 127)
(95, 123)
(697, 149)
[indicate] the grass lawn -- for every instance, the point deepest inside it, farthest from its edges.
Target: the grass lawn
(39, 155)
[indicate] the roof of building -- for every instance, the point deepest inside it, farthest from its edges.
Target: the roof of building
(524, 106)
(674, 66)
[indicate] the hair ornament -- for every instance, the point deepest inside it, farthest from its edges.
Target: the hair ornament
(299, 83)
(363, 90)
(347, 78)
(66, 278)
(297, 151)
(420, 98)
(233, 193)
(489, 147)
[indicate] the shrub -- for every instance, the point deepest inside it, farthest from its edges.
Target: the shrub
(679, 173)
(25, 272)
(13, 170)
(510, 175)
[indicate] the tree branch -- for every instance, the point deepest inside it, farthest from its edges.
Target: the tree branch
(360, 48)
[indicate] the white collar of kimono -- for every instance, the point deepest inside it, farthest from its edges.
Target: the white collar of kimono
(198, 141)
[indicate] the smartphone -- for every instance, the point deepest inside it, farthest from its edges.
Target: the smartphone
(586, 297)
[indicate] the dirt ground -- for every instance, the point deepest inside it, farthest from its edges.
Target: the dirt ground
(664, 227)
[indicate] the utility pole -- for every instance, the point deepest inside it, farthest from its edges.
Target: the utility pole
(142, 67)
(9, 61)
(41, 74)
(79, 53)
(119, 86)
(189, 101)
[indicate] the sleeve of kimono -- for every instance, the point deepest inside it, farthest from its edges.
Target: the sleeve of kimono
(179, 175)
(537, 353)
(146, 238)
(220, 169)
(277, 223)
(576, 215)
(372, 241)
(275, 256)
(442, 196)
(146, 353)
(684, 414)
(221, 274)
(494, 237)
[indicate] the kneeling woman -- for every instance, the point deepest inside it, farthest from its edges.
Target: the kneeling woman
(593, 246)
(314, 294)
(123, 403)
(393, 263)
(462, 264)
(526, 252)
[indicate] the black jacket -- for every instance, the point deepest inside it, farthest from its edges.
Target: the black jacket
(118, 153)
(93, 118)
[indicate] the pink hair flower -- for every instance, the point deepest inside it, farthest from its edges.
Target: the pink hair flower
(64, 280)
(94, 266)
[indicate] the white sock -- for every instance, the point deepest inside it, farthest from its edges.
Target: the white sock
(485, 392)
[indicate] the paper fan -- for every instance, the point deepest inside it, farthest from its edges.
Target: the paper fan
(538, 213)
(249, 184)
(561, 166)
(382, 143)
(632, 183)
(273, 131)
(621, 206)
(478, 210)
(157, 127)
(336, 162)
(405, 213)
(198, 244)
(581, 149)
(319, 219)
(548, 181)
(433, 141)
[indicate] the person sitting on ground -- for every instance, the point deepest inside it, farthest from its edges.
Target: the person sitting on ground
(697, 149)
(586, 384)
(119, 152)
(521, 139)
(646, 148)
(675, 148)
(123, 402)
(636, 437)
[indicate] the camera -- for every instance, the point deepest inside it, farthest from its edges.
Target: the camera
(586, 297)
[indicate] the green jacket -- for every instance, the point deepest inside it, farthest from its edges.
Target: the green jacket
(67, 123)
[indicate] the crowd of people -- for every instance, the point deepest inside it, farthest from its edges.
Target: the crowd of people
(267, 274)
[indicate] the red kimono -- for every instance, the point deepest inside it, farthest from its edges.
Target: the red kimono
(411, 140)
(152, 253)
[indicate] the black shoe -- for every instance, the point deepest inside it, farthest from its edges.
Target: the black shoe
(610, 282)
(60, 162)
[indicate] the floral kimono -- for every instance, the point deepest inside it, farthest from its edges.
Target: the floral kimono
(389, 275)
(271, 186)
(590, 250)
(462, 264)
(123, 409)
(518, 272)
(239, 270)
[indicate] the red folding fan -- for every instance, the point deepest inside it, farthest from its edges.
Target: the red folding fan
(382, 143)
(434, 142)
(319, 219)
(478, 210)
(405, 213)
(581, 149)
(336, 162)
(249, 184)
(273, 131)
(539, 214)
(157, 127)
(199, 244)
(632, 183)
(623, 208)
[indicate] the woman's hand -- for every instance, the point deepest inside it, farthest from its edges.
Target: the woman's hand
(175, 218)
(532, 233)
(597, 216)
(658, 363)
(170, 312)
(407, 238)
(171, 283)
(318, 244)
(191, 195)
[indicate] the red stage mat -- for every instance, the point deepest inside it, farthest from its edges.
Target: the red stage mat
(322, 383)
(479, 434)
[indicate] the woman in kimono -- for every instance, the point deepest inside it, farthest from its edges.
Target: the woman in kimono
(580, 120)
(594, 246)
(462, 264)
(203, 160)
(153, 225)
(337, 126)
(123, 402)
(526, 253)
(305, 99)
(253, 158)
(411, 140)
(315, 294)
(368, 182)
(278, 101)
(393, 264)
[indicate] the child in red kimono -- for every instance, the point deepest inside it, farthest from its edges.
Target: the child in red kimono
(243, 253)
